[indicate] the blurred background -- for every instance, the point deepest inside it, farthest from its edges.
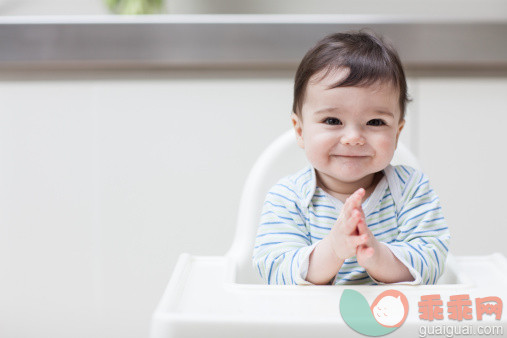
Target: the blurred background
(127, 129)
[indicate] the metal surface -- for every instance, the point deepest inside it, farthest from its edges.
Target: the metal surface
(239, 40)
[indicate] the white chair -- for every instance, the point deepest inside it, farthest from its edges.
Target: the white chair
(224, 297)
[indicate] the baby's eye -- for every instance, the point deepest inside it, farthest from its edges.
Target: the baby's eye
(376, 122)
(332, 121)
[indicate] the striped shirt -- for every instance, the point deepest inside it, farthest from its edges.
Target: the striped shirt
(403, 212)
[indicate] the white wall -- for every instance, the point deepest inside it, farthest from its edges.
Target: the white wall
(462, 144)
(106, 177)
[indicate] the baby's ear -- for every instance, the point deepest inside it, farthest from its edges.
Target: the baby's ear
(298, 128)
(400, 128)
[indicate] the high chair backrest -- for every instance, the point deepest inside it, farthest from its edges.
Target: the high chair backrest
(281, 158)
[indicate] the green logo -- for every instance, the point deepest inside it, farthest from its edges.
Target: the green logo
(386, 314)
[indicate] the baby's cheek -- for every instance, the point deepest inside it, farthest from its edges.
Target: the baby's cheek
(318, 149)
(386, 148)
(387, 142)
(318, 162)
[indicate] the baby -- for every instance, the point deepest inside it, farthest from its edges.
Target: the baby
(350, 217)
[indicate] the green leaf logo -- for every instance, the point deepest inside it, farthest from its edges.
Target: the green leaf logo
(387, 312)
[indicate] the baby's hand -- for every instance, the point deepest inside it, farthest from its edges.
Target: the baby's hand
(344, 236)
(366, 252)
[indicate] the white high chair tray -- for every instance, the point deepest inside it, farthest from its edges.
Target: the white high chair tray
(201, 300)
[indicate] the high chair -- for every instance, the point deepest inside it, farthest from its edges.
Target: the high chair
(209, 296)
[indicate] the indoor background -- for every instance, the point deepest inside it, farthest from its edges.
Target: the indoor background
(110, 170)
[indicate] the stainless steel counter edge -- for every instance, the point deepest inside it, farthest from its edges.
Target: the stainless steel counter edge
(239, 40)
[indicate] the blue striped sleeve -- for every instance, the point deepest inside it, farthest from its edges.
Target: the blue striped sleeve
(283, 243)
(423, 236)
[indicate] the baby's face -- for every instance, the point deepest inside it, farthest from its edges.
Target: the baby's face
(348, 133)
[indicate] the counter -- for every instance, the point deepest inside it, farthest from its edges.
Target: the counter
(263, 40)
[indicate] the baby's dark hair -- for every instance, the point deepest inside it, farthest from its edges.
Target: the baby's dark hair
(367, 56)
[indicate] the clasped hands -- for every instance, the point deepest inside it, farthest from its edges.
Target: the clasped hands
(350, 235)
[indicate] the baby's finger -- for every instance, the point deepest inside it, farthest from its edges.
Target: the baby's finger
(362, 227)
(352, 222)
(362, 217)
(359, 240)
(357, 197)
(347, 210)
(369, 251)
(353, 201)
(365, 251)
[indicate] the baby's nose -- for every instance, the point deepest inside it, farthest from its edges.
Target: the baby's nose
(353, 137)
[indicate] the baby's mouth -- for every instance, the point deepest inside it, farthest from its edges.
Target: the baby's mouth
(349, 156)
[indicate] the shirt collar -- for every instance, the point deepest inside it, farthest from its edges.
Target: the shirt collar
(308, 182)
